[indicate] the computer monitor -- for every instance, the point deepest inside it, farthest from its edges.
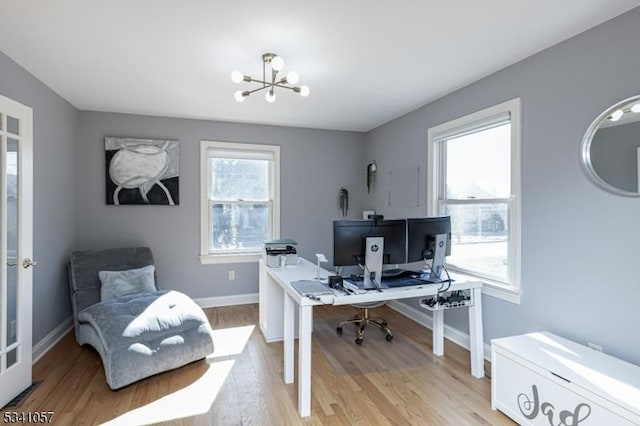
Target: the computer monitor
(429, 238)
(349, 239)
(371, 244)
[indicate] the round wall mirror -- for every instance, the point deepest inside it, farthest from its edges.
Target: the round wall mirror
(611, 148)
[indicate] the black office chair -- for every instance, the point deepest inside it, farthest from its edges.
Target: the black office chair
(363, 319)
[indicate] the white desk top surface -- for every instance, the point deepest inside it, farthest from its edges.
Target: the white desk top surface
(305, 270)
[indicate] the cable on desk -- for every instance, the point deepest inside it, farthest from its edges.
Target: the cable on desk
(448, 282)
(318, 298)
(442, 288)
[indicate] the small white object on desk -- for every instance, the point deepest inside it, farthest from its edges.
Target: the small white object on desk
(321, 258)
(352, 288)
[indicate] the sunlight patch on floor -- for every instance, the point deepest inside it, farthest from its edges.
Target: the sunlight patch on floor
(230, 341)
(192, 400)
(198, 397)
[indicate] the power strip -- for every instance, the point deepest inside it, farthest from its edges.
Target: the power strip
(457, 299)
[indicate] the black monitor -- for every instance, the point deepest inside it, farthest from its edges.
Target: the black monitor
(422, 234)
(349, 237)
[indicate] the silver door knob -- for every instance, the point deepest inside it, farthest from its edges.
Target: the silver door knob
(28, 262)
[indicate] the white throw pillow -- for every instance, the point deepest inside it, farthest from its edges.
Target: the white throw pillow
(122, 283)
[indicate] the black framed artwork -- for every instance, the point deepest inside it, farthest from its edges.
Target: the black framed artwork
(142, 171)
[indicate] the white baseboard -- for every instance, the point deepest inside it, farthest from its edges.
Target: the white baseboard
(453, 334)
(240, 299)
(49, 341)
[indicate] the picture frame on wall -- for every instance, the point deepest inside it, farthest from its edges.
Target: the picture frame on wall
(142, 171)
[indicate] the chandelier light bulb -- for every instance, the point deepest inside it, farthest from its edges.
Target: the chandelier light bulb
(304, 91)
(277, 63)
(616, 115)
(270, 96)
(636, 107)
(293, 77)
(237, 76)
(239, 96)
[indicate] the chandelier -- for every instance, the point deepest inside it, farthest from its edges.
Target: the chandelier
(274, 63)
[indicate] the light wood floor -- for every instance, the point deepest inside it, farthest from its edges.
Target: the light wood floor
(378, 383)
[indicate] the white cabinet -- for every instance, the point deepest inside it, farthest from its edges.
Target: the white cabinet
(543, 379)
(271, 305)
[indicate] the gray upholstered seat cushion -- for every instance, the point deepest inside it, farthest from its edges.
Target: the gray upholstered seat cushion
(136, 335)
(135, 319)
(145, 333)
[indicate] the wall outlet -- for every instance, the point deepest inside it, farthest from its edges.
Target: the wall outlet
(232, 275)
(12, 329)
(594, 347)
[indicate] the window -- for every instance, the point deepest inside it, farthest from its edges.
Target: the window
(474, 176)
(240, 202)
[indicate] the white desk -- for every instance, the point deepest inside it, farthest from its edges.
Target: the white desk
(277, 310)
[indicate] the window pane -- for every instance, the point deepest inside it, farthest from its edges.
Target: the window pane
(479, 238)
(13, 125)
(239, 226)
(236, 179)
(11, 231)
(12, 357)
(479, 164)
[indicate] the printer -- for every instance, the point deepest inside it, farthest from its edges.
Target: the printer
(275, 250)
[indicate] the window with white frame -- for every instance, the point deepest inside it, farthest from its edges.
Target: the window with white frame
(240, 201)
(474, 176)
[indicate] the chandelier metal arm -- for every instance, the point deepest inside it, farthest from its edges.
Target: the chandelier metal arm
(282, 83)
(248, 92)
(287, 87)
(253, 80)
(294, 88)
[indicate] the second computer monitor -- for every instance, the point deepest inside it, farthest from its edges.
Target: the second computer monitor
(422, 234)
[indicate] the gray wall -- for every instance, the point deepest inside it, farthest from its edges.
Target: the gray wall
(315, 164)
(614, 155)
(580, 244)
(55, 232)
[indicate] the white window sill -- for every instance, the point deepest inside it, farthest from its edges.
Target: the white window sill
(211, 259)
(493, 288)
(501, 292)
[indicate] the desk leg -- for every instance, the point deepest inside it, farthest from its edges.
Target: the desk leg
(476, 343)
(438, 332)
(289, 325)
(304, 360)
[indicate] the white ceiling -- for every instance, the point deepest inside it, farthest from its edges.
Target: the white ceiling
(366, 62)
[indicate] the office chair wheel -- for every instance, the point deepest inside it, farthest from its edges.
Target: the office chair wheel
(339, 331)
(358, 341)
(389, 337)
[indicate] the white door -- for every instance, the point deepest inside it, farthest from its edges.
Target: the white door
(16, 247)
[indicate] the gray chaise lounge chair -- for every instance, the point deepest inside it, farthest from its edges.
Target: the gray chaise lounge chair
(137, 335)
